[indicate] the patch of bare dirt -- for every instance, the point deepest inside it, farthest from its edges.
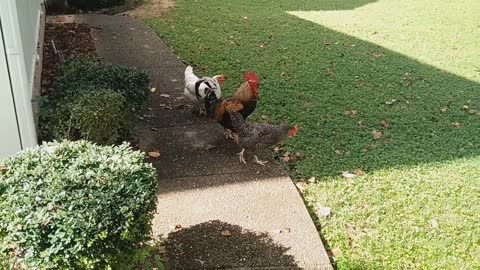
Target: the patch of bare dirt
(151, 9)
(63, 41)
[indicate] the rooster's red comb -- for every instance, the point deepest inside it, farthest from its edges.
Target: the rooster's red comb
(251, 77)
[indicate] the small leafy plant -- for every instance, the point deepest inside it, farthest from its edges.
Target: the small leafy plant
(129, 82)
(93, 101)
(75, 205)
(94, 115)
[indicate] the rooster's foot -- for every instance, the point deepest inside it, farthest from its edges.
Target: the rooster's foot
(259, 161)
(242, 159)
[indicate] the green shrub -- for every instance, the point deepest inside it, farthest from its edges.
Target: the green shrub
(94, 4)
(97, 115)
(93, 101)
(130, 82)
(75, 205)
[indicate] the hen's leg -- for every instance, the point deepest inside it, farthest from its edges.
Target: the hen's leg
(228, 134)
(259, 161)
(242, 159)
(235, 138)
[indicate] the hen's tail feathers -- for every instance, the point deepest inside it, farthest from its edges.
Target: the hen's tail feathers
(293, 131)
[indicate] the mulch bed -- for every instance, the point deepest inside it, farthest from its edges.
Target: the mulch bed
(63, 42)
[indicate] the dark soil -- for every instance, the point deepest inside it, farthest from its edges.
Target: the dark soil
(63, 42)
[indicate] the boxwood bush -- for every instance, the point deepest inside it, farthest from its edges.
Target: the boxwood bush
(80, 73)
(93, 101)
(74, 205)
(96, 114)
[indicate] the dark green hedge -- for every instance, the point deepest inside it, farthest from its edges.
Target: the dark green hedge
(94, 4)
(130, 82)
(74, 205)
(93, 101)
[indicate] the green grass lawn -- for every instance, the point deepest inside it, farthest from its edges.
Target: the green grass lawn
(338, 69)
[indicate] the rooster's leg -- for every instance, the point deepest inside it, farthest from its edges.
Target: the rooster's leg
(259, 161)
(242, 159)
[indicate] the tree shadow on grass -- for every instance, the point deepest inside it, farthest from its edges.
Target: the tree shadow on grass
(322, 4)
(358, 105)
(220, 245)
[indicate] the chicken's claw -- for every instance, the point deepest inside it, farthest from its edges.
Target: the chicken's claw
(242, 159)
(259, 161)
(228, 134)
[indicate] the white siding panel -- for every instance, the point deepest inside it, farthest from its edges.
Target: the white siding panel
(9, 136)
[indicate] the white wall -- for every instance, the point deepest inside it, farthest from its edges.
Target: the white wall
(9, 134)
(20, 21)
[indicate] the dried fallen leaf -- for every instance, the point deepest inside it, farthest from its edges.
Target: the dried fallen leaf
(362, 83)
(328, 72)
(298, 155)
(358, 172)
(323, 211)
(226, 233)
(361, 124)
(444, 109)
(391, 102)
(378, 55)
(458, 125)
(3, 168)
(276, 149)
(337, 252)
(376, 134)
(178, 227)
(165, 95)
(339, 152)
(348, 175)
(311, 180)
(434, 223)
(154, 154)
(265, 118)
(476, 112)
(351, 113)
(466, 107)
(153, 89)
(385, 124)
(301, 186)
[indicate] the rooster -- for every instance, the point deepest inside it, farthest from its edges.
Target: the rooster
(195, 88)
(243, 101)
(253, 137)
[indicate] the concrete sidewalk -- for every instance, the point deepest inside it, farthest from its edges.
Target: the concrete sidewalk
(213, 211)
